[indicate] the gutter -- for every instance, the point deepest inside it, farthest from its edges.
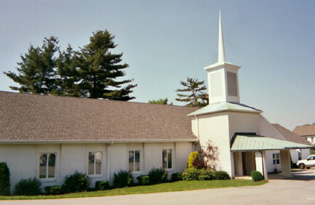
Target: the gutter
(95, 141)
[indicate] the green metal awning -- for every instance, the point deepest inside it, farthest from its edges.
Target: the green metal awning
(258, 143)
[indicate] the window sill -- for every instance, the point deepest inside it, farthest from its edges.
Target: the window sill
(48, 180)
(96, 176)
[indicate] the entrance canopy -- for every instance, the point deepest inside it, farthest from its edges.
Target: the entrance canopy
(258, 143)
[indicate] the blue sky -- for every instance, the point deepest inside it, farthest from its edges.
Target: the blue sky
(166, 41)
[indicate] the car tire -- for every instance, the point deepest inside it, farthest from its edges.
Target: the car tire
(308, 167)
(302, 166)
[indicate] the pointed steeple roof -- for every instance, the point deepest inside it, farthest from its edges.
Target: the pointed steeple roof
(221, 51)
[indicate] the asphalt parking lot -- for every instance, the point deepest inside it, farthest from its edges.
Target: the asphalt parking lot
(299, 189)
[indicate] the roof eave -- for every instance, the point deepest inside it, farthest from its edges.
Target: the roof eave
(95, 141)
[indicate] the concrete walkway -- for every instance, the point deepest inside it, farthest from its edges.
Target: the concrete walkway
(277, 191)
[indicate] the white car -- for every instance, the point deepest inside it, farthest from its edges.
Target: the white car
(309, 162)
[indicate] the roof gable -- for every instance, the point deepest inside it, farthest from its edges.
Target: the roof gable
(305, 130)
(288, 135)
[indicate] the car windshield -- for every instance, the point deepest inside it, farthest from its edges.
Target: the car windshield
(310, 157)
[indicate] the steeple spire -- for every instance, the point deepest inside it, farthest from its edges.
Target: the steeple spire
(221, 51)
(222, 76)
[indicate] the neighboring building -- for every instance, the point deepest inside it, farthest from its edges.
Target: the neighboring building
(296, 154)
(307, 132)
(50, 137)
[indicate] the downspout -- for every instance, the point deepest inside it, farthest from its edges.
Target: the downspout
(108, 160)
(197, 119)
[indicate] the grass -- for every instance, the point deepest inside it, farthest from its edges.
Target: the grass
(165, 187)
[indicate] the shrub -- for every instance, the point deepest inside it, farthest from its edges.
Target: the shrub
(76, 182)
(4, 179)
(143, 180)
(27, 187)
(221, 175)
(101, 185)
(191, 174)
(257, 176)
(157, 176)
(53, 190)
(192, 157)
(205, 174)
(176, 177)
(123, 179)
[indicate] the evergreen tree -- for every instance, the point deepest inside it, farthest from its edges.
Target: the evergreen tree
(99, 69)
(196, 96)
(36, 71)
(67, 80)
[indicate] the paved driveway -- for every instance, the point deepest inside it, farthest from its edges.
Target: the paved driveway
(297, 190)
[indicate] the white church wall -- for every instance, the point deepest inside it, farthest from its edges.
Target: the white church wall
(23, 160)
(243, 122)
(267, 130)
(214, 127)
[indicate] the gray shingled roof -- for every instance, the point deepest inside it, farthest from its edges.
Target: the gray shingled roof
(305, 130)
(36, 118)
(290, 136)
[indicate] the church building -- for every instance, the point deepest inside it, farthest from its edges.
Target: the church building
(50, 137)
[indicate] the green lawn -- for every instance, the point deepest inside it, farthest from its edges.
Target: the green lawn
(165, 187)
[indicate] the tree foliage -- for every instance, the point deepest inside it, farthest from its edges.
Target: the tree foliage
(93, 71)
(36, 73)
(159, 101)
(99, 68)
(193, 93)
(207, 157)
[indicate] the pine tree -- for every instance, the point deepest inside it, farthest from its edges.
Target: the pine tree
(99, 69)
(67, 80)
(36, 71)
(195, 97)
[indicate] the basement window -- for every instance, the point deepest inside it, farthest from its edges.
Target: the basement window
(134, 161)
(95, 163)
(167, 158)
(47, 165)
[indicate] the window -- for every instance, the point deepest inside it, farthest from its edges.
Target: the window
(95, 163)
(47, 165)
(167, 158)
(134, 161)
(276, 158)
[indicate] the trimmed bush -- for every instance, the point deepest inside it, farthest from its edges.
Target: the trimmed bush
(176, 177)
(123, 179)
(4, 179)
(27, 187)
(53, 190)
(143, 180)
(76, 182)
(205, 174)
(257, 176)
(157, 176)
(221, 175)
(101, 185)
(192, 157)
(191, 174)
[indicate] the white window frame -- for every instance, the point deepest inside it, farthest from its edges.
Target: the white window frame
(47, 178)
(134, 161)
(167, 162)
(94, 165)
(275, 158)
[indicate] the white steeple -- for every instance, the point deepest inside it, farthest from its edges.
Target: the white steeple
(221, 51)
(222, 76)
